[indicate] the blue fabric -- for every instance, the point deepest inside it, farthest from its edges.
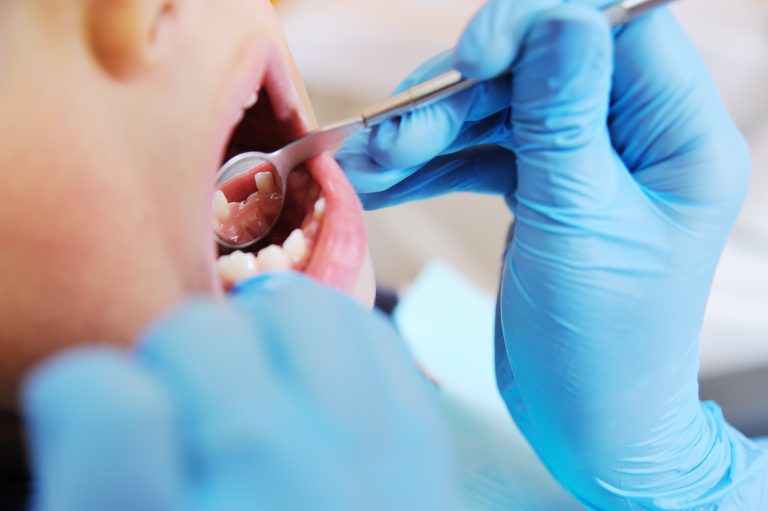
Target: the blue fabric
(625, 175)
(289, 397)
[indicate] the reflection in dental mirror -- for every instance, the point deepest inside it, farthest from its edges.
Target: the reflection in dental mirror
(247, 206)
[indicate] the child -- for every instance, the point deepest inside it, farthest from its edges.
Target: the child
(116, 115)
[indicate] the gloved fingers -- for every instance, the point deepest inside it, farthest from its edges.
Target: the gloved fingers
(365, 174)
(366, 161)
(560, 106)
(495, 129)
(418, 137)
(212, 363)
(332, 349)
(478, 102)
(430, 68)
(505, 376)
(492, 40)
(356, 378)
(425, 133)
(101, 435)
(378, 159)
(482, 169)
(665, 107)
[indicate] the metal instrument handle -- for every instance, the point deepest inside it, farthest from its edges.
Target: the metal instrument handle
(453, 82)
(628, 10)
(423, 94)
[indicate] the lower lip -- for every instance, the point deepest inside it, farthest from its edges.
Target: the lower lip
(341, 245)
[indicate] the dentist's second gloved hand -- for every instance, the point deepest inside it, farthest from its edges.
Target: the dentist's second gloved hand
(625, 175)
(290, 398)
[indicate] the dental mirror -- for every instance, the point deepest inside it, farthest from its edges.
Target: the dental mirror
(251, 187)
(246, 206)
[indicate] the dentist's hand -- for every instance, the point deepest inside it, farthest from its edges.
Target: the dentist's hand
(290, 398)
(625, 175)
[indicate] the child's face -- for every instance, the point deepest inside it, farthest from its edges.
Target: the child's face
(116, 116)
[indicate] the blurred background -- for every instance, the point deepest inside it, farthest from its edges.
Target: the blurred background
(354, 52)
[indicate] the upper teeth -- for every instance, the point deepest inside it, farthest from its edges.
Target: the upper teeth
(319, 208)
(252, 100)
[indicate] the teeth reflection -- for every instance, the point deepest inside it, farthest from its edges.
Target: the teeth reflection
(273, 258)
(320, 208)
(220, 206)
(265, 182)
(296, 247)
(237, 266)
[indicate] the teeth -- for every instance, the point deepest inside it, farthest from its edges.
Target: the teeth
(295, 247)
(252, 100)
(265, 182)
(237, 266)
(220, 206)
(273, 258)
(320, 208)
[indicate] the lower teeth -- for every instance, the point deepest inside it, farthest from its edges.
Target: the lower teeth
(273, 258)
(236, 267)
(292, 255)
(295, 246)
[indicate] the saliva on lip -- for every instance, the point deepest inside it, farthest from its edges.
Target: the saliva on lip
(246, 207)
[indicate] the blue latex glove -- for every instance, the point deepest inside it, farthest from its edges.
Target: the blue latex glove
(625, 174)
(291, 397)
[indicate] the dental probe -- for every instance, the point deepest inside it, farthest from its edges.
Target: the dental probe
(331, 136)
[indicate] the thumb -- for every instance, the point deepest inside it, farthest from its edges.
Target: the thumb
(560, 108)
(491, 41)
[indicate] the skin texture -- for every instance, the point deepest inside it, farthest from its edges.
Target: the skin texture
(115, 114)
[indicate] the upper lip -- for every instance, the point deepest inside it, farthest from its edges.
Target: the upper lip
(278, 118)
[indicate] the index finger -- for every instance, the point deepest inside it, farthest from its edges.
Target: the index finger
(101, 436)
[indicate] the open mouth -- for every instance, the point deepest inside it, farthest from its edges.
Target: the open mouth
(320, 231)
